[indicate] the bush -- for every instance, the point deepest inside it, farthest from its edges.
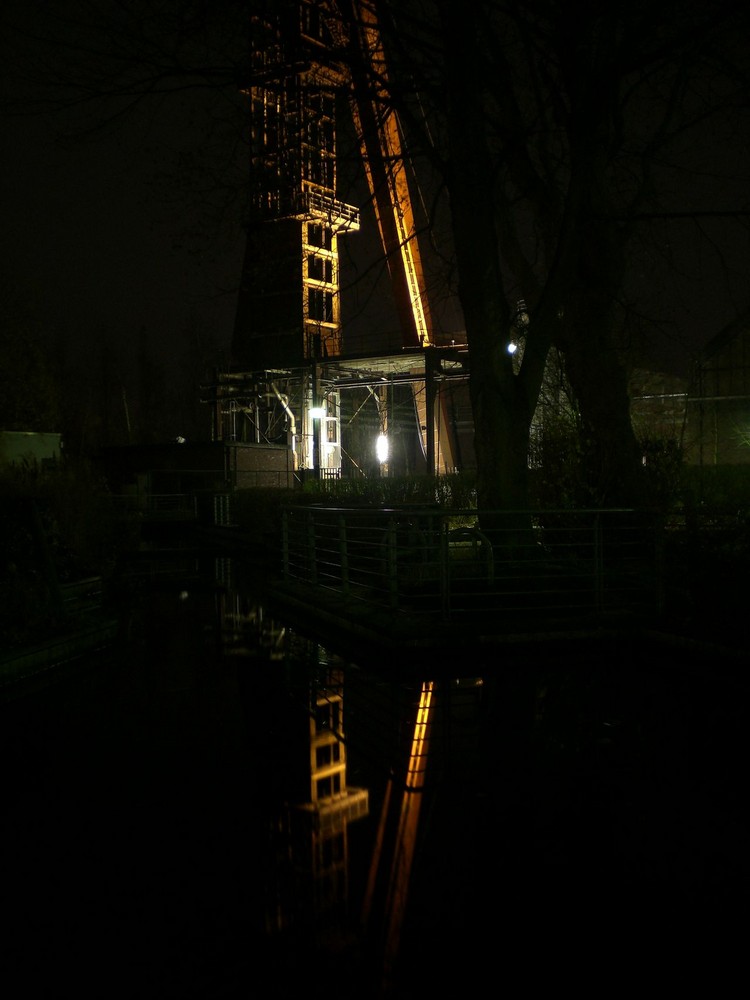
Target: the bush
(57, 526)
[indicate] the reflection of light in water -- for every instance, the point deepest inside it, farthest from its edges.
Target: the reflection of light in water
(306, 883)
(407, 827)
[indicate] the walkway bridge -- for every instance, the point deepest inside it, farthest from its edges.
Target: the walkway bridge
(420, 576)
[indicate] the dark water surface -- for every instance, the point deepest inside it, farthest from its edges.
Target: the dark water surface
(221, 807)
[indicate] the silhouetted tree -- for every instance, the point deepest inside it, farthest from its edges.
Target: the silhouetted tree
(30, 393)
(555, 138)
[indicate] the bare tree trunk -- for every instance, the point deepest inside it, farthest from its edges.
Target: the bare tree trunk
(586, 332)
(502, 408)
(610, 451)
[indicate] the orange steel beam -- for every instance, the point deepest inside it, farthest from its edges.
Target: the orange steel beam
(380, 142)
(377, 127)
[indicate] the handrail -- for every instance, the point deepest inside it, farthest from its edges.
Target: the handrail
(590, 563)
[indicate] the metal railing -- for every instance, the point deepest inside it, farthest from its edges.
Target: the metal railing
(512, 565)
(337, 213)
(159, 506)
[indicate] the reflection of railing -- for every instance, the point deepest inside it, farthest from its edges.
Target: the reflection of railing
(547, 564)
(161, 506)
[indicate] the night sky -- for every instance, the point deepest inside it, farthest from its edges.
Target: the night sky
(97, 241)
(111, 236)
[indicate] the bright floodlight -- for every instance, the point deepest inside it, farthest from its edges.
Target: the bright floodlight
(512, 347)
(317, 412)
(381, 448)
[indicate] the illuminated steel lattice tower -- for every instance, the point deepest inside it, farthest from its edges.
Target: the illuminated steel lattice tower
(289, 305)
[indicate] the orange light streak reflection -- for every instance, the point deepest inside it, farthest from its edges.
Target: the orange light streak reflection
(406, 837)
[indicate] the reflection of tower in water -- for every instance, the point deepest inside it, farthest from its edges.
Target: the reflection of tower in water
(323, 888)
(294, 694)
(426, 731)
(406, 809)
(318, 816)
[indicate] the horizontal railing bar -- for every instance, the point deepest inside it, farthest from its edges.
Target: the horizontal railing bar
(424, 560)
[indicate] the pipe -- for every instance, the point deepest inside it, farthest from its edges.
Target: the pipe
(284, 400)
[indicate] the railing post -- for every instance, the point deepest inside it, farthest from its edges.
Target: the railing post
(391, 562)
(444, 556)
(285, 544)
(343, 555)
(598, 565)
(659, 567)
(312, 559)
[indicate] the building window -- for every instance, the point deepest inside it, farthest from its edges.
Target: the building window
(320, 268)
(327, 717)
(327, 755)
(319, 305)
(319, 236)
